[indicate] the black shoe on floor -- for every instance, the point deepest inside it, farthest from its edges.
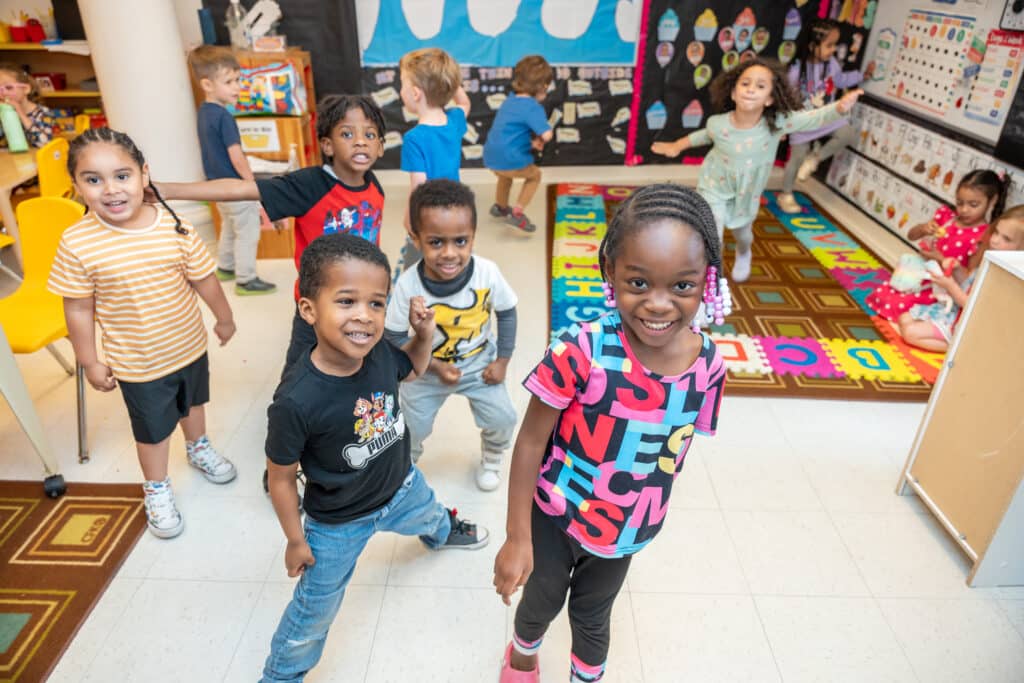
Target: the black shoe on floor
(500, 211)
(465, 535)
(254, 286)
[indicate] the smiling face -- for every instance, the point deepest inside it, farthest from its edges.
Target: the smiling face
(658, 277)
(445, 238)
(753, 89)
(111, 184)
(347, 312)
(354, 145)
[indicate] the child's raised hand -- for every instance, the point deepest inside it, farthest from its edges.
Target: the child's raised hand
(225, 330)
(421, 318)
(512, 567)
(494, 373)
(298, 556)
(849, 99)
(537, 143)
(100, 377)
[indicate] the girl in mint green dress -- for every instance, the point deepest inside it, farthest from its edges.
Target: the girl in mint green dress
(760, 108)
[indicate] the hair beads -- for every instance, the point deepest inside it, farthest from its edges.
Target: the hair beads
(717, 301)
(609, 294)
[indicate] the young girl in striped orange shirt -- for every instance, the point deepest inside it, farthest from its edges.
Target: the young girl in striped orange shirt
(137, 268)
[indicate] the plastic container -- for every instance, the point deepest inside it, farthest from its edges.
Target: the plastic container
(234, 19)
(50, 80)
(13, 130)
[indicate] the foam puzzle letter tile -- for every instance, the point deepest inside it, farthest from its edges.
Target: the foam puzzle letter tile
(799, 357)
(870, 360)
(564, 313)
(575, 267)
(580, 231)
(825, 239)
(928, 364)
(578, 291)
(842, 257)
(741, 353)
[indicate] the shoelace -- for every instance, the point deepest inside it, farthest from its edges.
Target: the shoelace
(461, 526)
(160, 504)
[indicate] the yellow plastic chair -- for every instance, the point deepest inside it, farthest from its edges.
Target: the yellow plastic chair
(52, 165)
(82, 123)
(32, 317)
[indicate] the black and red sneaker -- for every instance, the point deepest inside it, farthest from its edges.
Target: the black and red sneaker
(465, 535)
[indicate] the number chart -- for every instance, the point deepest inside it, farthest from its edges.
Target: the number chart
(929, 71)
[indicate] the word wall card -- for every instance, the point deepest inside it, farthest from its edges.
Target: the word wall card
(928, 72)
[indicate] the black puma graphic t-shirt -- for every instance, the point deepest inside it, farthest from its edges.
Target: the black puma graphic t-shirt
(347, 433)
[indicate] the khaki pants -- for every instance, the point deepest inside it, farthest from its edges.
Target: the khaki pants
(531, 181)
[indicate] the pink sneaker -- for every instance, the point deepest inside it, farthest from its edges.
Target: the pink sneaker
(510, 675)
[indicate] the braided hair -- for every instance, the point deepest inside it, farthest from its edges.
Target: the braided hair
(114, 137)
(669, 201)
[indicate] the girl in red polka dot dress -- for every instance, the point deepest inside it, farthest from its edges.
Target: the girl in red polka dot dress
(954, 234)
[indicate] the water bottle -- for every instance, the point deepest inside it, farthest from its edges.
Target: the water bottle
(234, 19)
(13, 131)
(293, 157)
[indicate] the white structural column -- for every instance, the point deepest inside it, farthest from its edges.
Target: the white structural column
(141, 66)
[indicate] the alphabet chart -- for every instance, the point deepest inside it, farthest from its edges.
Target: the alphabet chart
(929, 71)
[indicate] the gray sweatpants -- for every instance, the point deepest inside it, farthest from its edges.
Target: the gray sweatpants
(492, 409)
(239, 237)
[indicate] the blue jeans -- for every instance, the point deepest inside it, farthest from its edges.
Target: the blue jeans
(300, 636)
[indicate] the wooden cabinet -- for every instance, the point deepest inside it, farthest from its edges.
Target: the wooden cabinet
(75, 67)
(967, 462)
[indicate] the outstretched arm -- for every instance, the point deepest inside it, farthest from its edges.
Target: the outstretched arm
(220, 190)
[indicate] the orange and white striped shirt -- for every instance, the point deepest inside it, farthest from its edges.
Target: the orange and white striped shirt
(140, 279)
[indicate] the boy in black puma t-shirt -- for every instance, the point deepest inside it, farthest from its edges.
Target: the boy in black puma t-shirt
(336, 412)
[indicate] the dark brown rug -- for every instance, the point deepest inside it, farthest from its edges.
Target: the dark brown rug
(57, 556)
(800, 325)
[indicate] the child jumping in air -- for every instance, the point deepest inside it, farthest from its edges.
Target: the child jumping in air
(817, 77)
(217, 71)
(614, 408)
(336, 412)
(19, 89)
(520, 127)
(930, 326)
(760, 107)
(137, 269)
(466, 293)
(955, 233)
(432, 149)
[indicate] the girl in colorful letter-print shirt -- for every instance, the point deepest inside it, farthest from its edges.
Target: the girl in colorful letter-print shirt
(615, 404)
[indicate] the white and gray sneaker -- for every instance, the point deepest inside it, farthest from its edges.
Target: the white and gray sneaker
(214, 466)
(488, 474)
(162, 514)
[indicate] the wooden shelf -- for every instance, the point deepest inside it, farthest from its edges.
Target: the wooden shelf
(22, 46)
(62, 94)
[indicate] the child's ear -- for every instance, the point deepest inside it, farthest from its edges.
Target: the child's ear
(326, 148)
(306, 311)
(206, 84)
(145, 175)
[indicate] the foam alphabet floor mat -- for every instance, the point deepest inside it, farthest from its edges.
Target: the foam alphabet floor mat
(800, 325)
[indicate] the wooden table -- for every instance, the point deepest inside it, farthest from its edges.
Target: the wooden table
(15, 169)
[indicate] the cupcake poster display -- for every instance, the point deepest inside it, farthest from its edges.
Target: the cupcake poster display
(928, 70)
(685, 45)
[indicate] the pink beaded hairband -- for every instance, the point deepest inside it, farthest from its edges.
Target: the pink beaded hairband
(717, 302)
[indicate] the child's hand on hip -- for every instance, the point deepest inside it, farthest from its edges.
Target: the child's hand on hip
(848, 100)
(100, 377)
(494, 373)
(512, 567)
(448, 373)
(298, 556)
(421, 318)
(225, 330)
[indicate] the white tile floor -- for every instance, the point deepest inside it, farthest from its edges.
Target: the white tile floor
(786, 555)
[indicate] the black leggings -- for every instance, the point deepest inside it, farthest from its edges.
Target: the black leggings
(560, 566)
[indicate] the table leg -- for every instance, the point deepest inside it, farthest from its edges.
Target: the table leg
(10, 223)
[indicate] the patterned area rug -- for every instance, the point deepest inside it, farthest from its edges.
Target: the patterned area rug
(56, 559)
(800, 326)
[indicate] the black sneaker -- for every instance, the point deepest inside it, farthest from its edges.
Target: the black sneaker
(520, 221)
(464, 535)
(500, 211)
(253, 287)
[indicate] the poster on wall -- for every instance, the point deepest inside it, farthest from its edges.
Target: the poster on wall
(929, 70)
(685, 45)
(997, 80)
(500, 32)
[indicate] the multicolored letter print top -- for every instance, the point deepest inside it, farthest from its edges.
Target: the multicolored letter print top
(622, 436)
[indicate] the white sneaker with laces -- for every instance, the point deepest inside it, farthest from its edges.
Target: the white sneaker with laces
(214, 466)
(808, 167)
(488, 474)
(162, 514)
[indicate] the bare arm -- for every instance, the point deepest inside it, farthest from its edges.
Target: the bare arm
(672, 149)
(461, 100)
(922, 230)
(416, 178)
(285, 497)
(514, 562)
(79, 314)
(210, 291)
(239, 162)
(220, 190)
(418, 348)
